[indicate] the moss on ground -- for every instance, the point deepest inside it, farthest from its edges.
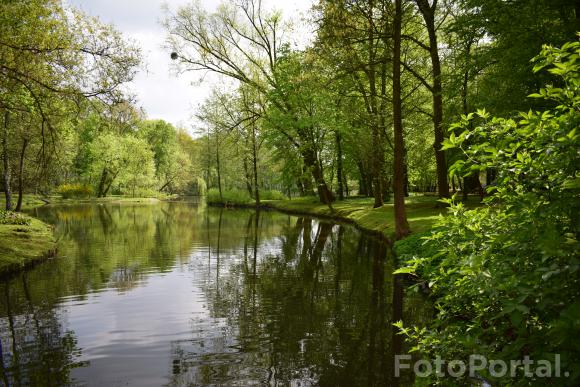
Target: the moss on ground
(21, 245)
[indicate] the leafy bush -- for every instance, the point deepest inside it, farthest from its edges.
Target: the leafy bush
(9, 217)
(272, 195)
(412, 244)
(505, 277)
(76, 191)
(229, 197)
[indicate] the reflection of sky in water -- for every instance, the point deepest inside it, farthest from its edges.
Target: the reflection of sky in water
(141, 296)
(135, 326)
(129, 334)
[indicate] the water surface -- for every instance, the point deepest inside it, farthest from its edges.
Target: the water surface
(181, 294)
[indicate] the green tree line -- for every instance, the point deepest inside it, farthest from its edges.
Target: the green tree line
(365, 107)
(68, 123)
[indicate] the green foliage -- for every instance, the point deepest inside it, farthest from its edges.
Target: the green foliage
(505, 278)
(503, 36)
(9, 217)
(272, 194)
(78, 190)
(412, 244)
(229, 197)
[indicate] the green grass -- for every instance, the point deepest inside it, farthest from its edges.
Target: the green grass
(20, 245)
(422, 212)
(30, 201)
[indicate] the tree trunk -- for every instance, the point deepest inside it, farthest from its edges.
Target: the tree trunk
(20, 175)
(207, 175)
(401, 224)
(306, 182)
(219, 176)
(300, 187)
(248, 178)
(428, 13)
(110, 183)
(362, 181)
(255, 162)
(311, 161)
(339, 177)
(247, 171)
(370, 191)
(377, 157)
(6, 159)
(102, 183)
(165, 186)
(386, 185)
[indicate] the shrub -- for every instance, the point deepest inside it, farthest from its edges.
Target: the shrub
(76, 190)
(272, 195)
(229, 197)
(9, 217)
(506, 277)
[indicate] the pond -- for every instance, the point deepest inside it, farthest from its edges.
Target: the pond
(185, 294)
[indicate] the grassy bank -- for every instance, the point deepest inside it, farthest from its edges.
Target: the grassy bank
(31, 240)
(30, 200)
(422, 211)
(23, 244)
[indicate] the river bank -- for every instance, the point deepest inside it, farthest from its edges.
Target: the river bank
(29, 240)
(422, 212)
(22, 245)
(25, 243)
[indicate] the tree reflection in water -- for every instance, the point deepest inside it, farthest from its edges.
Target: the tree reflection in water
(181, 294)
(37, 351)
(318, 309)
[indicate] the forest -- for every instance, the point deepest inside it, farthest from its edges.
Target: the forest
(473, 104)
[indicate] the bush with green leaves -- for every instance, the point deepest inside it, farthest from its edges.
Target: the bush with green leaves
(505, 278)
(76, 190)
(272, 194)
(231, 197)
(10, 217)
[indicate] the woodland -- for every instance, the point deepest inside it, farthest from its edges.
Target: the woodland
(388, 100)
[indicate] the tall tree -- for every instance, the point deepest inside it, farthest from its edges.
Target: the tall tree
(356, 39)
(401, 225)
(50, 62)
(428, 11)
(243, 43)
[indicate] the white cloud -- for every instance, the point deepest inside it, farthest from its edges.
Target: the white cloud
(162, 94)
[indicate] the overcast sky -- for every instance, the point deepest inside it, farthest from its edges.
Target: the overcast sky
(162, 94)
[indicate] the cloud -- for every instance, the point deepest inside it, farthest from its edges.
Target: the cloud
(161, 94)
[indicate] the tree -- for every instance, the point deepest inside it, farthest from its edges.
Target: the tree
(513, 33)
(242, 43)
(357, 37)
(401, 224)
(50, 61)
(505, 275)
(428, 11)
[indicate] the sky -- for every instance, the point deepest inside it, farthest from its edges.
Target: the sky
(159, 91)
